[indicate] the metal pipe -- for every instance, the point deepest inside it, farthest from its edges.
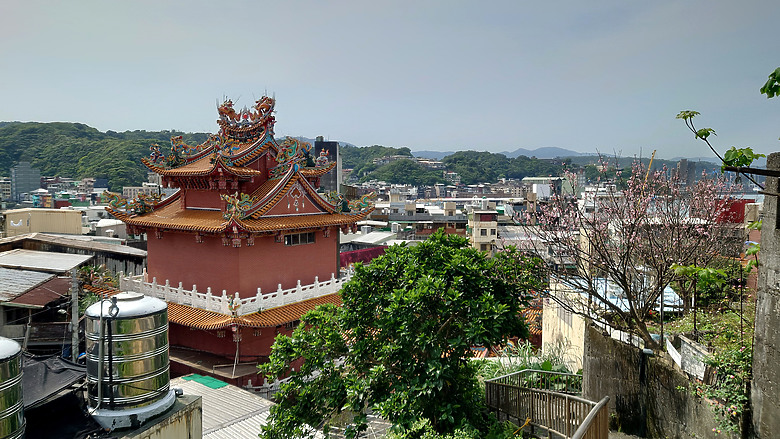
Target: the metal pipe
(100, 358)
(74, 315)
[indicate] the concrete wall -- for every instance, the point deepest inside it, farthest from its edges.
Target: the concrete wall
(643, 391)
(765, 388)
(183, 421)
(22, 221)
(562, 326)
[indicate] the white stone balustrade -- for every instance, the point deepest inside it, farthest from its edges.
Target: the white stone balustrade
(221, 302)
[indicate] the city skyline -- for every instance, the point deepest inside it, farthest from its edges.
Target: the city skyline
(443, 76)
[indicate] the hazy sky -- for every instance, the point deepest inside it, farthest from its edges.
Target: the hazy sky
(442, 75)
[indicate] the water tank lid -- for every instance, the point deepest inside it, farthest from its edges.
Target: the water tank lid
(8, 348)
(130, 304)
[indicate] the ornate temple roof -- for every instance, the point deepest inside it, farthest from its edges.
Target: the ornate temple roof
(202, 166)
(172, 217)
(244, 138)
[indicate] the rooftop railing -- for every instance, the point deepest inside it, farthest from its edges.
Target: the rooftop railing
(225, 303)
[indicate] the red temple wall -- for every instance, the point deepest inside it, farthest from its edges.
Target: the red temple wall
(198, 198)
(251, 347)
(178, 258)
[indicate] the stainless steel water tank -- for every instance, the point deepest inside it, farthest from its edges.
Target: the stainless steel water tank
(135, 379)
(11, 403)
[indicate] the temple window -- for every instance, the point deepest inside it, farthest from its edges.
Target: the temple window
(299, 238)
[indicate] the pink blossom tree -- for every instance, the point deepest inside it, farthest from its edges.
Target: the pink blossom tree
(632, 238)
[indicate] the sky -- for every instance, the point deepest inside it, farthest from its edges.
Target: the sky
(590, 76)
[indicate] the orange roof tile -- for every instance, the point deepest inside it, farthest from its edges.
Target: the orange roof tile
(201, 167)
(244, 157)
(102, 291)
(287, 313)
(299, 222)
(173, 217)
(197, 318)
(533, 318)
(316, 172)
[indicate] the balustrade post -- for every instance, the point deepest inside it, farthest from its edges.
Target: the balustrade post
(208, 299)
(549, 415)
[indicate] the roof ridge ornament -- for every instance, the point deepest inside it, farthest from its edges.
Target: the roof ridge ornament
(140, 205)
(238, 205)
(247, 123)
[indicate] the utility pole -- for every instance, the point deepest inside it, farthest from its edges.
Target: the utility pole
(74, 315)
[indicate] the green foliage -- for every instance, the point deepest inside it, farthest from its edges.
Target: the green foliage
(76, 150)
(406, 172)
(740, 157)
(360, 159)
(399, 345)
(86, 300)
(730, 395)
(97, 276)
(422, 429)
(703, 133)
(514, 358)
(772, 86)
(687, 115)
(711, 283)
(480, 167)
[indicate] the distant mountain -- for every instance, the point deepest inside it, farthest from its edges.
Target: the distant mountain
(540, 153)
(436, 155)
(549, 152)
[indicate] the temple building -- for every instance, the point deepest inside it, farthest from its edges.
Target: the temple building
(245, 246)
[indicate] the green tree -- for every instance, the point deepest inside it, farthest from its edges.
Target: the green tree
(406, 172)
(399, 345)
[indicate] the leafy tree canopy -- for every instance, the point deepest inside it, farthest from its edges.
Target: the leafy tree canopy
(76, 150)
(485, 167)
(406, 172)
(400, 344)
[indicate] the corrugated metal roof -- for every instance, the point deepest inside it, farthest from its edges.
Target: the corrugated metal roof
(14, 282)
(226, 406)
(229, 412)
(43, 294)
(42, 261)
(77, 241)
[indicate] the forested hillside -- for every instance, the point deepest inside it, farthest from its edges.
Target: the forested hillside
(480, 167)
(76, 150)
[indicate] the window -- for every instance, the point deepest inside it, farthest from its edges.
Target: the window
(299, 238)
(483, 247)
(564, 315)
(482, 232)
(493, 232)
